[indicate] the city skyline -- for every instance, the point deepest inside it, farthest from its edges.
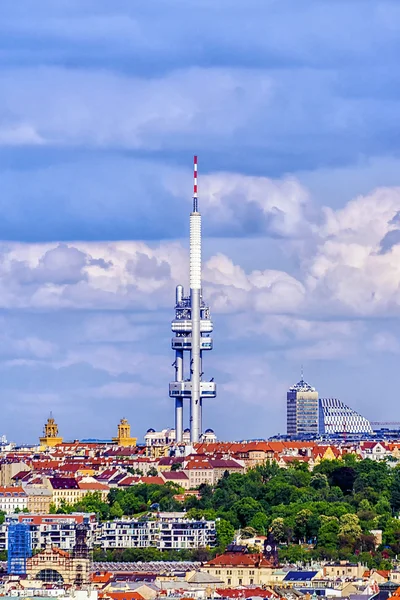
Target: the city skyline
(293, 114)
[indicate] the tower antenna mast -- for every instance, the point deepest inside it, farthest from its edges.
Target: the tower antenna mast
(191, 326)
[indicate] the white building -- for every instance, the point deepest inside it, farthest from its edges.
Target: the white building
(13, 499)
(56, 530)
(168, 531)
(336, 417)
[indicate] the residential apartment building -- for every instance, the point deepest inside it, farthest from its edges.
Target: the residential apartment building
(13, 499)
(51, 530)
(64, 490)
(202, 469)
(168, 531)
(39, 498)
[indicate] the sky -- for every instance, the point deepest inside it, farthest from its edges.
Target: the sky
(293, 109)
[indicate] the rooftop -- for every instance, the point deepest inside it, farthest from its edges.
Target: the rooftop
(302, 386)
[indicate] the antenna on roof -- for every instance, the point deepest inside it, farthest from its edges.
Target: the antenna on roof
(302, 373)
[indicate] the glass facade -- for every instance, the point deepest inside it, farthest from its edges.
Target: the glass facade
(302, 410)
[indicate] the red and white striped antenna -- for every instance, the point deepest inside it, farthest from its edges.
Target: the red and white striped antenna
(195, 184)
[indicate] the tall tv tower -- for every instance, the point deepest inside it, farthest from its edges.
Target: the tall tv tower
(191, 328)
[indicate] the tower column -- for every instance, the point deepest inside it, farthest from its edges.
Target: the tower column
(195, 367)
(179, 401)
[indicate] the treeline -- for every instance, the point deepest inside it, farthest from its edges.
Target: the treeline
(132, 501)
(328, 513)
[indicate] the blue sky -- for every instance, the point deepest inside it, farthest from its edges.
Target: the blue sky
(293, 110)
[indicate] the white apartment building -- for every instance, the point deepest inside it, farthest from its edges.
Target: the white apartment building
(166, 531)
(13, 499)
(54, 530)
(169, 531)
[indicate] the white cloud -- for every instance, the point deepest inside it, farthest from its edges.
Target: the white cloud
(350, 271)
(242, 204)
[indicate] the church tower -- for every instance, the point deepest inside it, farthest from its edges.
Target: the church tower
(50, 436)
(124, 435)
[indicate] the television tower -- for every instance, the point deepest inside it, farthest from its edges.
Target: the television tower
(191, 327)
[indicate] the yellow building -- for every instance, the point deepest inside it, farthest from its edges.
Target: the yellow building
(50, 434)
(124, 435)
(39, 499)
(64, 490)
(241, 569)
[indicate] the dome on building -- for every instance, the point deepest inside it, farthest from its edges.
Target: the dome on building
(187, 430)
(209, 431)
(151, 430)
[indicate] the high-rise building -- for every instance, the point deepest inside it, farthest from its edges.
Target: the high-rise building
(302, 409)
(192, 327)
(337, 417)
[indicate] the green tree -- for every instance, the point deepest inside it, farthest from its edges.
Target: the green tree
(278, 529)
(260, 522)
(245, 510)
(328, 533)
(349, 529)
(177, 466)
(319, 481)
(225, 534)
(116, 511)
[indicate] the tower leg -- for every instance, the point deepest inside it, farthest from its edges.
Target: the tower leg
(195, 366)
(178, 420)
(179, 401)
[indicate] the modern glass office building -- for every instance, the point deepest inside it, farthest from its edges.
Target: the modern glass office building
(337, 417)
(302, 410)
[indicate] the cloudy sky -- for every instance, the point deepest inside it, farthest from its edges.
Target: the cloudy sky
(293, 109)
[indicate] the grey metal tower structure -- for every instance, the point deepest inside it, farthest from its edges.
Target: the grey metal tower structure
(191, 327)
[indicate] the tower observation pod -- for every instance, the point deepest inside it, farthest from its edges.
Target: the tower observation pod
(191, 327)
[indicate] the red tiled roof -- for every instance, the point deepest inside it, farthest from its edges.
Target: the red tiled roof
(12, 491)
(126, 595)
(128, 481)
(91, 486)
(236, 559)
(153, 480)
(103, 577)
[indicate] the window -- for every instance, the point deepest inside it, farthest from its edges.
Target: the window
(240, 582)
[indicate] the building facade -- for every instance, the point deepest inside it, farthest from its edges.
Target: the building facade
(51, 530)
(169, 531)
(302, 410)
(337, 417)
(12, 499)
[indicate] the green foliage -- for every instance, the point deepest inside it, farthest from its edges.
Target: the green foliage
(324, 514)
(176, 466)
(225, 534)
(319, 481)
